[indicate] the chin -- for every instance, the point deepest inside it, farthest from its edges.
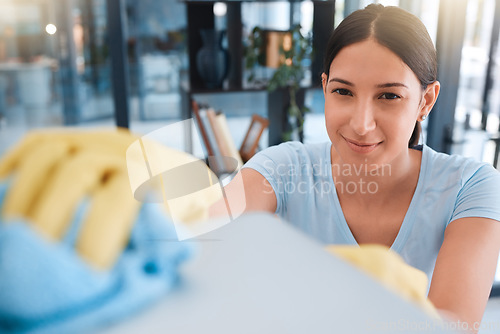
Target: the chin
(373, 160)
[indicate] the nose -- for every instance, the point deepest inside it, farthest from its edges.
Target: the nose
(362, 118)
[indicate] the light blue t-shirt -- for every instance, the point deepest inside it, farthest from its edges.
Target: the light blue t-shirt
(448, 188)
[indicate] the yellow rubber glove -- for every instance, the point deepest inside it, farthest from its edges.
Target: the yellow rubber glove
(389, 268)
(54, 171)
(67, 208)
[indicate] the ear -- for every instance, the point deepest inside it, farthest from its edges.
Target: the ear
(324, 79)
(429, 98)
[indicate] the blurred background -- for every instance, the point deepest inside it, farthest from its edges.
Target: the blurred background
(95, 63)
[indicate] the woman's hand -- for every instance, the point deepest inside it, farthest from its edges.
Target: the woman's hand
(52, 172)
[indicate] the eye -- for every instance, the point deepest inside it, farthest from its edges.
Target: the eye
(389, 96)
(342, 91)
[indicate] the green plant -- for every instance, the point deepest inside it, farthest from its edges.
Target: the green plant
(288, 75)
(254, 52)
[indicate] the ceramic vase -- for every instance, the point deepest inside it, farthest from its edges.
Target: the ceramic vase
(212, 60)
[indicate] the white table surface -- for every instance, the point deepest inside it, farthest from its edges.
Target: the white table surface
(260, 275)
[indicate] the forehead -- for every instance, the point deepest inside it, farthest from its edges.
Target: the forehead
(370, 61)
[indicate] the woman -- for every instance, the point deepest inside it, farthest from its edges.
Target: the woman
(372, 184)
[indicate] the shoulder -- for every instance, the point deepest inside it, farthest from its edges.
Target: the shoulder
(287, 165)
(462, 170)
(470, 186)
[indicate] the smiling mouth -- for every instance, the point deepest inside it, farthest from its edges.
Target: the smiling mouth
(359, 147)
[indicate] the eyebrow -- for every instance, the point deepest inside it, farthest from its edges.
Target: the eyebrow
(384, 85)
(392, 84)
(345, 82)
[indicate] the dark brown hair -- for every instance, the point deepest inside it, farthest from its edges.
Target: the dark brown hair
(399, 31)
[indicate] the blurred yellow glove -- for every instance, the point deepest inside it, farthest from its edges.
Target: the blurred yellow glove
(54, 171)
(389, 268)
(74, 189)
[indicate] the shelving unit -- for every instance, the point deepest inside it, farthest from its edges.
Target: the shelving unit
(200, 16)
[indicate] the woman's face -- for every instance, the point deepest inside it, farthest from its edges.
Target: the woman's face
(372, 101)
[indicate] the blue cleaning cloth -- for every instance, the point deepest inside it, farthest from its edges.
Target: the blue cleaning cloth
(45, 287)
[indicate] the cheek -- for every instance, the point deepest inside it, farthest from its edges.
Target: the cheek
(330, 125)
(333, 117)
(400, 125)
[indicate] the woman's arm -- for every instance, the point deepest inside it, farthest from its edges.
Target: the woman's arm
(258, 195)
(465, 269)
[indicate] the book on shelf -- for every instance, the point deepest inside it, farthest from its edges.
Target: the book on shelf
(231, 147)
(220, 140)
(223, 156)
(203, 131)
(212, 142)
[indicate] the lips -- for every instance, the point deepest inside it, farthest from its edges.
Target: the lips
(361, 147)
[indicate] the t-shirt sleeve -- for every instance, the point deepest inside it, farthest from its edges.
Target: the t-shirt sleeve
(275, 164)
(479, 195)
